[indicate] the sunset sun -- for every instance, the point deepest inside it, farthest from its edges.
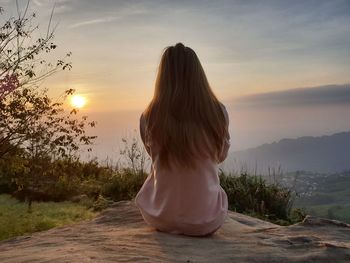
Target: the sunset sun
(78, 101)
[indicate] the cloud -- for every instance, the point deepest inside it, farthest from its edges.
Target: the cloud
(94, 21)
(107, 16)
(312, 96)
(59, 6)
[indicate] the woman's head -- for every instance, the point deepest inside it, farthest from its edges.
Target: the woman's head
(183, 108)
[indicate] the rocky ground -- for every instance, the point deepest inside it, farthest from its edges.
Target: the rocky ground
(119, 234)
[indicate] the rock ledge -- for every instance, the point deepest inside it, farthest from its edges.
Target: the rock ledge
(119, 234)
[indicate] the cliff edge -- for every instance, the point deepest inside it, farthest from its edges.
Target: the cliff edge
(119, 234)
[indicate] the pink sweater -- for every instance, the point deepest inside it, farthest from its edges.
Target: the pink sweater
(182, 201)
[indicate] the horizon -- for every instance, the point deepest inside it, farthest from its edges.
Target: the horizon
(280, 68)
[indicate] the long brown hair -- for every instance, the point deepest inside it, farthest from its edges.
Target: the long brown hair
(184, 110)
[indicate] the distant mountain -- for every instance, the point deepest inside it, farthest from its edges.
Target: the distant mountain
(325, 154)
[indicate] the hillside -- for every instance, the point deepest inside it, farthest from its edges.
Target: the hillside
(325, 195)
(325, 154)
(120, 235)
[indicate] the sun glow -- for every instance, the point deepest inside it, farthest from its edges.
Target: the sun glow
(78, 101)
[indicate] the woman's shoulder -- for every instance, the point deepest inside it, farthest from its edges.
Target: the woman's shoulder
(142, 122)
(222, 105)
(224, 111)
(142, 117)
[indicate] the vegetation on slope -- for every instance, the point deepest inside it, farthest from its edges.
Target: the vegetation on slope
(15, 219)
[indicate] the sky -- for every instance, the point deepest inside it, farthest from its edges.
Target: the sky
(281, 67)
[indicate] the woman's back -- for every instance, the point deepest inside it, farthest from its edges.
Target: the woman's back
(182, 200)
(185, 131)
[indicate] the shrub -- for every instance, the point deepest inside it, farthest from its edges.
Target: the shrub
(251, 195)
(124, 185)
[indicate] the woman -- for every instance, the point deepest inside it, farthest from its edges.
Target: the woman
(185, 131)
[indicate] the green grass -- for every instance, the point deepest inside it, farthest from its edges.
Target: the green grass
(16, 221)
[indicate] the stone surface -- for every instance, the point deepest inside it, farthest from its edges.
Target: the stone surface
(119, 234)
